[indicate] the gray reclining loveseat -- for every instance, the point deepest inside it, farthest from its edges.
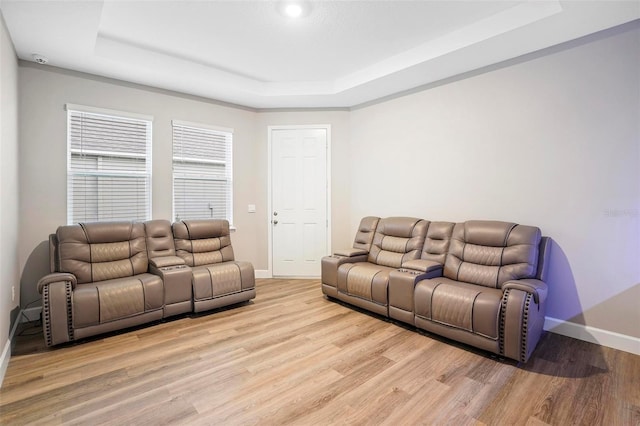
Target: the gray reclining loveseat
(110, 276)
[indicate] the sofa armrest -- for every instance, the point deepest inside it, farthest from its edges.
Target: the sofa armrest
(350, 252)
(57, 277)
(57, 312)
(330, 265)
(164, 261)
(423, 265)
(522, 317)
(536, 288)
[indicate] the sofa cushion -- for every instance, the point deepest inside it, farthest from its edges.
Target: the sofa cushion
(489, 253)
(211, 281)
(159, 238)
(397, 240)
(110, 300)
(102, 251)
(203, 242)
(365, 233)
(365, 280)
(436, 243)
(470, 307)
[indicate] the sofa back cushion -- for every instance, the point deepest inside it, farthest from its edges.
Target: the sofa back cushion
(436, 244)
(102, 250)
(203, 242)
(397, 240)
(489, 253)
(159, 238)
(366, 232)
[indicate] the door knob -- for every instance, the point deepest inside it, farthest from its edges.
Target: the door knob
(275, 213)
(275, 222)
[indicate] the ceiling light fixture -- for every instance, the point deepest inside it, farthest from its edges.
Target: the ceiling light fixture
(294, 9)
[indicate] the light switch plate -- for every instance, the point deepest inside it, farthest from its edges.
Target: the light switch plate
(252, 208)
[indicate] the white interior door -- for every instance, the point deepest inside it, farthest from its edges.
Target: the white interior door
(299, 201)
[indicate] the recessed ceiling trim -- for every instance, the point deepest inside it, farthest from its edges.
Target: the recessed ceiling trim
(116, 40)
(507, 20)
(127, 52)
(493, 26)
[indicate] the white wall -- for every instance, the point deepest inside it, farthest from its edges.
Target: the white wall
(551, 142)
(9, 274)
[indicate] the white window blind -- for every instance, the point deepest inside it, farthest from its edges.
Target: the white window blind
(202, 172)
(109, 166)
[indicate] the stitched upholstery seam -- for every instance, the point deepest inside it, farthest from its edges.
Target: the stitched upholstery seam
(86, 236)
(499, 269)
(506, 237)
(130, 258)
(355, 296)
(413, 227)
(458, 328)
(473, 305)
(144, 296)
(371, 286)
(426, 239)
(504, 244)
(193, 257)
(240, 274)
(99, 306)
(379, 249)
(210, 283)
(464, 246)
(346, 278)
(433, 292)
(227, 295)
(406, 244)
(503, 320)
(129, 241)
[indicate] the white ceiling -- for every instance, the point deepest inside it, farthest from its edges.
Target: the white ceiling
(341, 54)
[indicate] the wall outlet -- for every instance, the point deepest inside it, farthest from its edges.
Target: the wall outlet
(13, 293)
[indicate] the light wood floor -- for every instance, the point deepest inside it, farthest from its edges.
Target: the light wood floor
(293, 356)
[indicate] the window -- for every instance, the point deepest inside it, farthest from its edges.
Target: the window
(108, 165)
(202, 172)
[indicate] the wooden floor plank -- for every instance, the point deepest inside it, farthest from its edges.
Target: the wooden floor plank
(292, 356)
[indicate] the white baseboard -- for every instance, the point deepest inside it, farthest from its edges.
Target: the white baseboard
(263, 273)
(6, 352)
(594, 335)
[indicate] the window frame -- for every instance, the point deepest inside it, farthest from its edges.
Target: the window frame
(228, 164)
(147, 120)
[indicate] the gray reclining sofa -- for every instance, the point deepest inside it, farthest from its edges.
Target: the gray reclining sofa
(479, 282)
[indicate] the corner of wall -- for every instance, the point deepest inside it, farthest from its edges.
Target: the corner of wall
(9, 220)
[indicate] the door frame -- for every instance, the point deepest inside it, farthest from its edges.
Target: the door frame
(270, 129)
